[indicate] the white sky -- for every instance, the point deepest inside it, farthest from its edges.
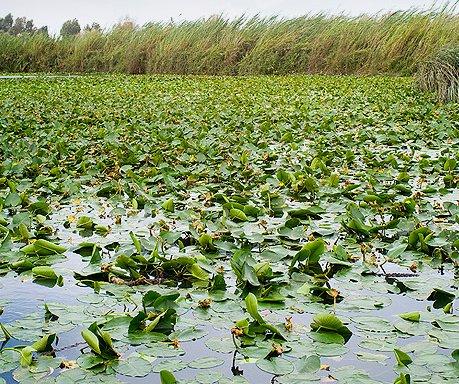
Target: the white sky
(107, 12)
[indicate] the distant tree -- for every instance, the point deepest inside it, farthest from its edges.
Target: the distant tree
(93, 27)
(70, 28)
(29, 28)
(6, 23)
(22, 25)
(42, 31)
(19, 26)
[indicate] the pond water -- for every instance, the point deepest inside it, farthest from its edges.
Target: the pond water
(229, 230)
(29, 298)
(24, 296)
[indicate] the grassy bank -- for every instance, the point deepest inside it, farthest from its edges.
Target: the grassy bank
(390, 43)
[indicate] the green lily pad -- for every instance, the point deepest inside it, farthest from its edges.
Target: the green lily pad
(205, 363)
(221, 344)
(134, 366)
(172, 365)
(275, 366)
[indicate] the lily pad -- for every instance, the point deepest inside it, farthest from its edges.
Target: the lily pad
(276, 366)
(206, 363)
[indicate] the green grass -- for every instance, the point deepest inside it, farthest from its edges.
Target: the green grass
(385, 43)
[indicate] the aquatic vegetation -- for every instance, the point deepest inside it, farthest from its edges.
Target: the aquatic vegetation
(440, 74)
(228, 230)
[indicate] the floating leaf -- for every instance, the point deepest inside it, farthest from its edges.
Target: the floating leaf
(44, 272)
(169, 205)
(402, 357)
(206, 363)
(327, 337)
(167, 377)
(238, 214)
(172, 365)
(133, 366)
(43, 247)
(222, 345)
(326, 322)
(411, 316)
(275, 366)
(85, 222)
(366, 356)
(396, 251)
(307, 364)
(206, 242)
(197, 272)
(12, 200)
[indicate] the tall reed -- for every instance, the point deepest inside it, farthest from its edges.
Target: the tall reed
(440, 74)
(384, 43)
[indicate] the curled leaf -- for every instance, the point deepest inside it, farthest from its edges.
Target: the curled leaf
(92, 340)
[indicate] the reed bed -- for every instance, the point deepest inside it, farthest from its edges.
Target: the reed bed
(385, 43)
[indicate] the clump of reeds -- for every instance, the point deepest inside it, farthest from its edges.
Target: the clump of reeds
(380, 44)
(440, 74)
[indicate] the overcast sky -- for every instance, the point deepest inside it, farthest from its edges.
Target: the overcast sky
(108, 12)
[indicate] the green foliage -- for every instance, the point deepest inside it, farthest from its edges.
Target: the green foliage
(330, 324)
(44, 344)
(43, 247)
(440, 73)
(85, 222)
(259, 325)
(402, 357)
(310, 253)
(70, 28)
(167, 377)
(100, 342)
(259, 242)
(385, 43)
(252, 307)
(20, 26)
(403, 379)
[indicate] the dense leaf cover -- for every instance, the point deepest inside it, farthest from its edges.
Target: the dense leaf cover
(306, 224)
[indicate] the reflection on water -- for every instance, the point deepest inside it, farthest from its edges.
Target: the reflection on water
(27, 297)
(21, 296)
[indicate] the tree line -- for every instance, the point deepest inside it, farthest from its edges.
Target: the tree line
(22, 25)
